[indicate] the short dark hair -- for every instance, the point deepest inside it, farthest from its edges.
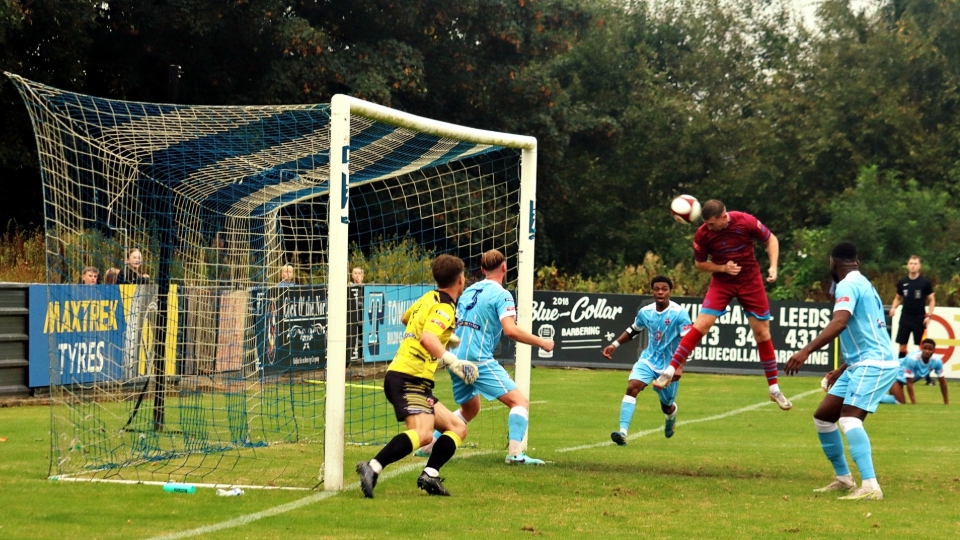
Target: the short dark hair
(844, 251)
(661, 279)
(711, 209)
(447, 269)
(491, 260)
(930, 341)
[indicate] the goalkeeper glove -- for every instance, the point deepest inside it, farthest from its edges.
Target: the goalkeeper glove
(461, 368)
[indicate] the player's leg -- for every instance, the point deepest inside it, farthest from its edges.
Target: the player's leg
(454, 431)
(753, 299)
(635, 384)
(871, 383)
(825, 420)
(668, 404)
(468, 397)
(409, 397)
(895, 397)
(517, 422)
(714, 305)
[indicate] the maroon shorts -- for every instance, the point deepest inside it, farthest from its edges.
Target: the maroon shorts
(748, 291)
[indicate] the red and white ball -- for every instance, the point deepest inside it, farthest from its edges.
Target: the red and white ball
(685, 209)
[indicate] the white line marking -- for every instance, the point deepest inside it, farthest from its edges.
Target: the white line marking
(734, 412)
(299, 503)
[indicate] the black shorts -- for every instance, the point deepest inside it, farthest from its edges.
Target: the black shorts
(910, 325)
(408, 394)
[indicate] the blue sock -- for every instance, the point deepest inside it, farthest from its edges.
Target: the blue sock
(627, 407)
(517, 423)
(436, 435)
(832, 444)
(861, 453)
(888, 399)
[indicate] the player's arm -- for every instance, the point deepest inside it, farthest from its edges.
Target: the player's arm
(626, 336)
(913, 399)
(931, 303)
(773, 251)
(943, 386)
(833, 329)
(514, 332)
(730, 267)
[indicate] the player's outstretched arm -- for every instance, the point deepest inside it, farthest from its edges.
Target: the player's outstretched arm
(609, 349)
(913, 399)
(836, 325)
(518, 334)
(943, 390)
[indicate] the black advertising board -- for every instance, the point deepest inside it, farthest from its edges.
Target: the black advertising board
(582, 324)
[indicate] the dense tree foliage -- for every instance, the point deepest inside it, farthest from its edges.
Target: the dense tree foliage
(848, 129)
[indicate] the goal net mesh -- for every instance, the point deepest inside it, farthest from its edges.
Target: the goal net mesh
(203, 364)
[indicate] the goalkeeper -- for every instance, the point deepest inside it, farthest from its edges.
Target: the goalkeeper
(485, 312)
(409, 382)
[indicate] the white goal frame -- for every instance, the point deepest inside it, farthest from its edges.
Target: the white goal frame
(342, 108)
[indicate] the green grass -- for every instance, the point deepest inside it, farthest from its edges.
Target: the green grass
(746, 475)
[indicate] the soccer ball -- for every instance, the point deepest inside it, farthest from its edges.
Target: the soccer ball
(685, 209)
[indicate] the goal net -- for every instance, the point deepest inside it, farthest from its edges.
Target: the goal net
(237, 352)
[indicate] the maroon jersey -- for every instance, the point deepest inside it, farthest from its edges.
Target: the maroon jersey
(734, 243)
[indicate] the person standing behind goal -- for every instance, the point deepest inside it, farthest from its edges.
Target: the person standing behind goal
(728, 239)
(485, 312)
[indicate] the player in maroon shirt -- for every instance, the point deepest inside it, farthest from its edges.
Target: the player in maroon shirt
(728, 238)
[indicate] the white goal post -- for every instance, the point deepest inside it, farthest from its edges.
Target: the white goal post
(342, 109)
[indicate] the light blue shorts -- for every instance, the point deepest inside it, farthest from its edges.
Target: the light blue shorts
(644, 373)
(492, 382)
(863, 387)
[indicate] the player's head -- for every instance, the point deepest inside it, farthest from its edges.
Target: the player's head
(913, 264)
(660, 287)
(492, 260)
(89, 276)
(448, 272)
(927, 347)
(843, 259)
(714, 215)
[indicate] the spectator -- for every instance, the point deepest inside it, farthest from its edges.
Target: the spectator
(133, 271)
(89, 276)
(286, 276)
(356, 275)
(111, 276)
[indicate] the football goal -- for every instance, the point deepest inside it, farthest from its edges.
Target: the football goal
(224, 343)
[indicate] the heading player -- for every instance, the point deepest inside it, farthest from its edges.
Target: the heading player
(727, 238)
(666, 322)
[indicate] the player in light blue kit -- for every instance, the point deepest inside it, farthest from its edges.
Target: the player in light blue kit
(918, 365)
(485, 312)
(869, 369)
(666, 322)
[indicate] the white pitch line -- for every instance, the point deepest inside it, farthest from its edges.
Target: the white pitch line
(299, 503)
(734, 412)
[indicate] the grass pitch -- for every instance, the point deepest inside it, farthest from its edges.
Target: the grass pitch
(738, 467)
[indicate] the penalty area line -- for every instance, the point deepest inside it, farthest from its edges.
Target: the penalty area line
(299, 503)
(721, 416)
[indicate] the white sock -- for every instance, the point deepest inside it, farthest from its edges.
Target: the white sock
(674, 413)
(846, 479)
(431, 472)
(871, 484)
(376, 466)
(774, 388)
(459, 414)
(623, 431)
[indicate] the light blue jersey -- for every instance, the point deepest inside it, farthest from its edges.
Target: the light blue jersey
(915, 367)
(664, 330)
(865, 341)
(479, 311)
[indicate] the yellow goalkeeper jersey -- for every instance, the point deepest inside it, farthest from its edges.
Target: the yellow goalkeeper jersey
(434, 312)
